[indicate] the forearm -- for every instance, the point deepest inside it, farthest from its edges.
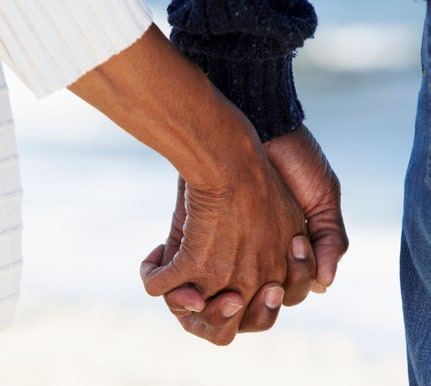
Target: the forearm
(166, 102)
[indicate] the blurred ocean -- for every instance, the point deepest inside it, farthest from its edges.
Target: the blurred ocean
(97, 201)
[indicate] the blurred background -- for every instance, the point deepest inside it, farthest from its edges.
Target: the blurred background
(97, 201)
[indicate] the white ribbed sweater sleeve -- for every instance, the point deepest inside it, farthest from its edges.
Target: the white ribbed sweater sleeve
(51, 43)
(10, 212)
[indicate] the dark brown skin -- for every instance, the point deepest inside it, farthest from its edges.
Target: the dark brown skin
(240, 216)
(300, 161)
(187, 303)
(304, 167)
(245, 251)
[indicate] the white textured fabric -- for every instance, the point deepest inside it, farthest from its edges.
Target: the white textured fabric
(10, 212)
(49, 44)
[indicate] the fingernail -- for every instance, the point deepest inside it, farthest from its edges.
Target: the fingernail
(319, 288)
(230, 309)
(192, 309)
(299, 248)
(274, 297)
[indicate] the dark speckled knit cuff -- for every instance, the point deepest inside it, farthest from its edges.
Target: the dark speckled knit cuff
(263, 90)
(246, 47)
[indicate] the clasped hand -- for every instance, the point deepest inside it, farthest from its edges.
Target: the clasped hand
(228, 264)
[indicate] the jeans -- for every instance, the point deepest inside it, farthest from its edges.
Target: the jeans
(416, 236)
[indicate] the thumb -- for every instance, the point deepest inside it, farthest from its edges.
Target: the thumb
(160, 279)
(301, 271)
(329, 242)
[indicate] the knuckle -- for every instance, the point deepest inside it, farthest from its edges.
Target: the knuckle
(300, 278)
(143, 269)
(336, 184)
(223, 339)
(212, 320)
(345, 245)
(190, 324)
(151, 288)
(264, 325)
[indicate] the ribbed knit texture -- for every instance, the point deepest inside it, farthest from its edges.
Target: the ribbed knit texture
(10, 212)
(51, 43)
(246, 48)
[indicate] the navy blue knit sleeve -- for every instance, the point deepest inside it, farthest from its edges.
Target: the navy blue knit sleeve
(246, 48)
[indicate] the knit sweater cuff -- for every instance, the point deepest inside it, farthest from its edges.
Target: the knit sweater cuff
(263, 90)
(50, 44)
(246, 48)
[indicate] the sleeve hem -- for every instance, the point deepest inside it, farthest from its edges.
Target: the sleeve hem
(49, 45)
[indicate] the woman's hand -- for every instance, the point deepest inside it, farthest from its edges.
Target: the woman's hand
(225, 248)
(219, 316)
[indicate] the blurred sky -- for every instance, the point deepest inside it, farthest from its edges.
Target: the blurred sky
(96, 201)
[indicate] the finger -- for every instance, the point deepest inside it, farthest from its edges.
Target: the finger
(263, 310)
(218, 322)
(301, 271)
(154, 259)
(330, 243)
(157, 279)
(218, 336)
(328, 254)
(184, 300)
(220, 309)
(152, 262)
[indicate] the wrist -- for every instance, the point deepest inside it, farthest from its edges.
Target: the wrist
(166, 102)
(225, 151)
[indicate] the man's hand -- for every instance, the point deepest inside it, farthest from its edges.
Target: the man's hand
(300, 161)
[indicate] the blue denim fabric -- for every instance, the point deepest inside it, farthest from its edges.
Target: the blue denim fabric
(416, 236)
